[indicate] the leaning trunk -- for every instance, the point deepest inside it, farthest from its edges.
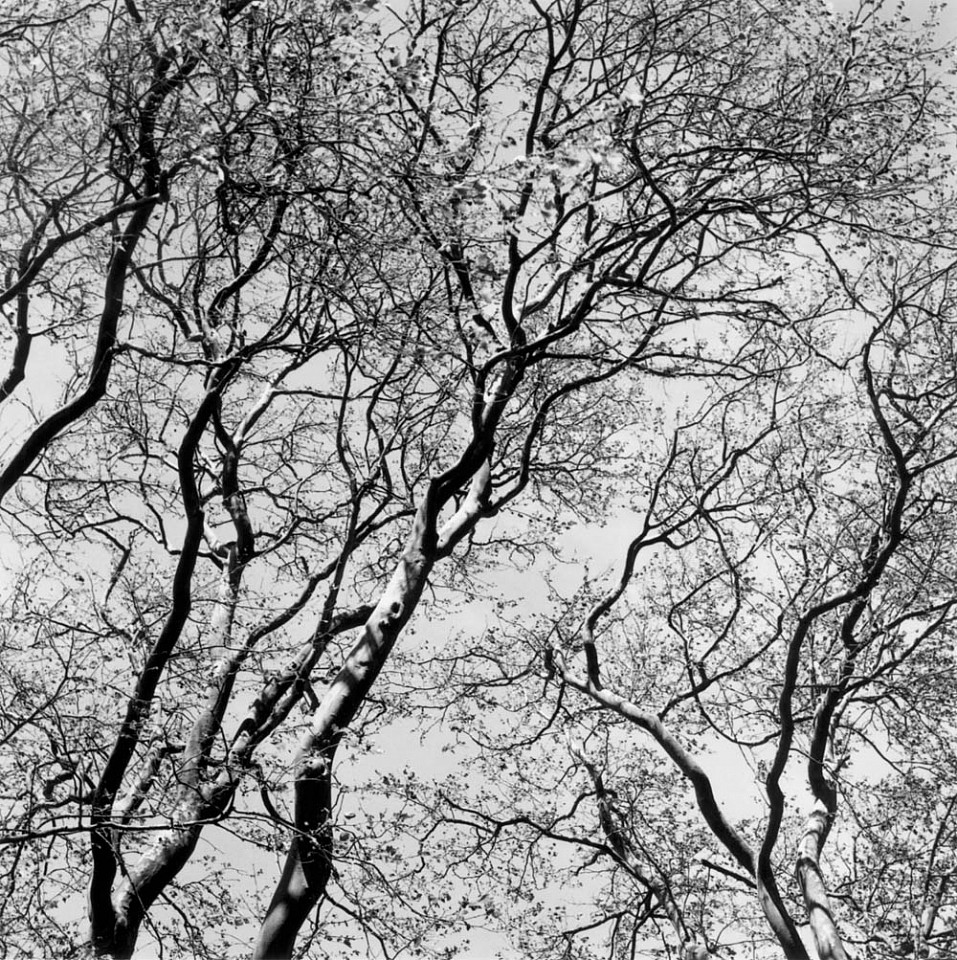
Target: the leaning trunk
(309, 860)
(144, 883)
(827, 940)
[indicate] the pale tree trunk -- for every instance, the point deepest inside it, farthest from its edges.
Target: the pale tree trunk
(116, 916)
(138, 891)
(201, 802)
(308, 863)
(827, 940)
(309, 860)
(929, 913)
(779, 920)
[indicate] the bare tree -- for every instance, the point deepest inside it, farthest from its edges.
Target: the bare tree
(789, 607)
(331, 293)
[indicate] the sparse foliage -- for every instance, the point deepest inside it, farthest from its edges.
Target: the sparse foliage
(567, 386)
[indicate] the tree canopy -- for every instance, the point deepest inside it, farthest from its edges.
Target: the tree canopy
(477, 476)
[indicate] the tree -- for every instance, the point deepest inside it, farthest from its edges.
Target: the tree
(348, 306)
(807, 640)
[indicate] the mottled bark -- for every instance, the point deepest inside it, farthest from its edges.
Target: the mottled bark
(143, 883)
(308, 863)
(109, 930)
(827, 940)
(203, 801)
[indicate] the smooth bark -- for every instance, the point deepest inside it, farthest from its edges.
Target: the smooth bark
(827, 940)
(309, 861)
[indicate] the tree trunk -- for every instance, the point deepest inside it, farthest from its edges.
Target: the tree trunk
(142, 885)
(309, 861)
(304, 877)
(827, 940)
